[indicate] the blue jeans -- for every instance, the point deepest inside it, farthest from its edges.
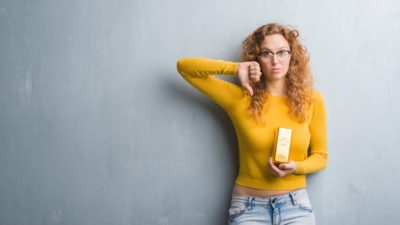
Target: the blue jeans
(293, 208)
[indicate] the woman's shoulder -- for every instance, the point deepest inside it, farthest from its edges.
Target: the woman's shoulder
(316, 95)
(317, 99)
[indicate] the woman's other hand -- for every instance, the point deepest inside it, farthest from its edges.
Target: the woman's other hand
(283, 169)
(249, 72)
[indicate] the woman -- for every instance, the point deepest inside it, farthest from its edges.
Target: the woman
(276, 93)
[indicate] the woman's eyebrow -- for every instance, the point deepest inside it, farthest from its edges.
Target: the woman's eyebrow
(283, 47)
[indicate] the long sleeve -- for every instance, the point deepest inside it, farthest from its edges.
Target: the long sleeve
(318, 158)
(198, 71)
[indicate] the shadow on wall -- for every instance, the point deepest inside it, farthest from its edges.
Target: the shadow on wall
(174, 87)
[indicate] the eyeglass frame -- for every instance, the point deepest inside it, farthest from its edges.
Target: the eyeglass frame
(272, 54)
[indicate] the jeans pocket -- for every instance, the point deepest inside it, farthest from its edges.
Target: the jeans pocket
(305, 203)
(236, 209)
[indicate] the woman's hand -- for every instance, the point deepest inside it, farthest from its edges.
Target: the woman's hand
(248, 72)
(283, 169)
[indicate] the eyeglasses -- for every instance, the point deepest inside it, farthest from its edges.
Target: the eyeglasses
(282, 54)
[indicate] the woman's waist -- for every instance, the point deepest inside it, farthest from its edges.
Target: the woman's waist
(248, 191)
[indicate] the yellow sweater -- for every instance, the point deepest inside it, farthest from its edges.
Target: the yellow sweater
(255, 142)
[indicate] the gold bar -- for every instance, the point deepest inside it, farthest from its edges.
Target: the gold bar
(282, 146)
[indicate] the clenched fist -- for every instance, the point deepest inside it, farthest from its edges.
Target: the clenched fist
(249, 72)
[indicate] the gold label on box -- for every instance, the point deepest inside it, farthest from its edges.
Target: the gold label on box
(283, 145)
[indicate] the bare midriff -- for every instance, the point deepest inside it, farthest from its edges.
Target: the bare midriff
(246, 191)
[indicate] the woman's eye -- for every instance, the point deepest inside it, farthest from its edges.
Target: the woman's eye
(267, 53)
(280, 53)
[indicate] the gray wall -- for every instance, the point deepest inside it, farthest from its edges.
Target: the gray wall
(97, 127)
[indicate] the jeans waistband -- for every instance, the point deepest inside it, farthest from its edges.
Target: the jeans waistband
(291, 197)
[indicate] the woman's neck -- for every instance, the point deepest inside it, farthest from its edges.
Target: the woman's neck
(276, 87)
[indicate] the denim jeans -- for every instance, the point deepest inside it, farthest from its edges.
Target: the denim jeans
(293, 208)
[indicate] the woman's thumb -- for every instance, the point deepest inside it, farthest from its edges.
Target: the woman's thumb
(248, 88)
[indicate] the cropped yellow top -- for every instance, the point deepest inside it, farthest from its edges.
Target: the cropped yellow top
(308, 142)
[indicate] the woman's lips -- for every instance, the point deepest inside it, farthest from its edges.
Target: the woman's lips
(277, 70)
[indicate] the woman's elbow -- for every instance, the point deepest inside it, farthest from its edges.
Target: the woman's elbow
(181, 64)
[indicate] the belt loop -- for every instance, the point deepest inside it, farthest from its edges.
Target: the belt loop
(292, 197)
(250, 203)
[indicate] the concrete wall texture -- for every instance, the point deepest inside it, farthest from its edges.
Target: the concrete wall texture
(97, 126)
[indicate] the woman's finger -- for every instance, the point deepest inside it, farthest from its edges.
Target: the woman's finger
(284, 166)
(257, 72)
(275, 170)
(270, 167)
(248, 88)
(255, 77)
(272, 170)
(254, 69)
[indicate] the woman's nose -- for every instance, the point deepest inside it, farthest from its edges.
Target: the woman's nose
(275, 59)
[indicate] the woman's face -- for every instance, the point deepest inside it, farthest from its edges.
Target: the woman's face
(274, 57)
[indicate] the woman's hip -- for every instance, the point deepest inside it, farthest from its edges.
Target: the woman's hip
(294, 207)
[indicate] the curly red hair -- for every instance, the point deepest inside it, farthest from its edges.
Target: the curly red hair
(299, 79)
